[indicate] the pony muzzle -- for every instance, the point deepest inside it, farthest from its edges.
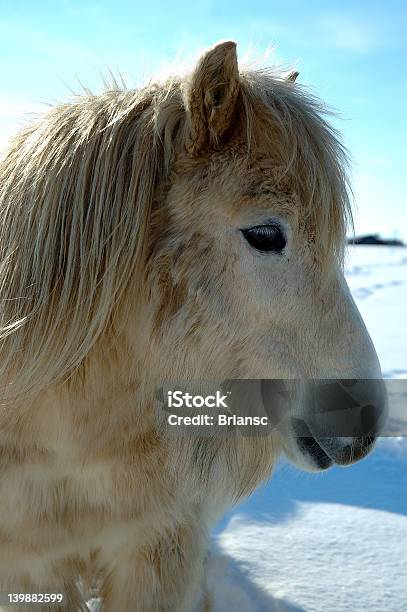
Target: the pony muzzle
(340, 420)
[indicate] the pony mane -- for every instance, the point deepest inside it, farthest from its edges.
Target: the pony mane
(76, 191)
(310, 151)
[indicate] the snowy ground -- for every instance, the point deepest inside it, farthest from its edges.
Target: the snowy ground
(334, 541)
(377, 277)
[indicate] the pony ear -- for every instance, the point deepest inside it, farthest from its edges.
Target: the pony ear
(211, 96)
(293, 76)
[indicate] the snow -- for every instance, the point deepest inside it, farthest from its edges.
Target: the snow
(377, 277)
(335, 540)
(323, 559)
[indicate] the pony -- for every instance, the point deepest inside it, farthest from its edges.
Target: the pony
(193, 229)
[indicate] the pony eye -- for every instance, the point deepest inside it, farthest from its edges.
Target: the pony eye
(265, 238)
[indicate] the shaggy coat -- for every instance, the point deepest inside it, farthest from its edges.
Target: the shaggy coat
(123, 264)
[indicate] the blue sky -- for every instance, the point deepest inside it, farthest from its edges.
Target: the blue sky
(353, 55)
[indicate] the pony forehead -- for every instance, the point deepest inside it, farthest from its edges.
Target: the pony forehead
(281, 139)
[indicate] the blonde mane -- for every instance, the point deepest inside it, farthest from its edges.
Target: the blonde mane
(76, 192)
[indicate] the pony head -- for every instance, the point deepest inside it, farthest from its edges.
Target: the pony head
(194, 229)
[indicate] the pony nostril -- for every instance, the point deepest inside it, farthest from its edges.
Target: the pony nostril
(374, 413)
(346, 408)
(369, 418)
(348, 382)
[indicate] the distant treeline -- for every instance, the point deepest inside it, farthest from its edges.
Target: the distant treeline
(375, 239)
